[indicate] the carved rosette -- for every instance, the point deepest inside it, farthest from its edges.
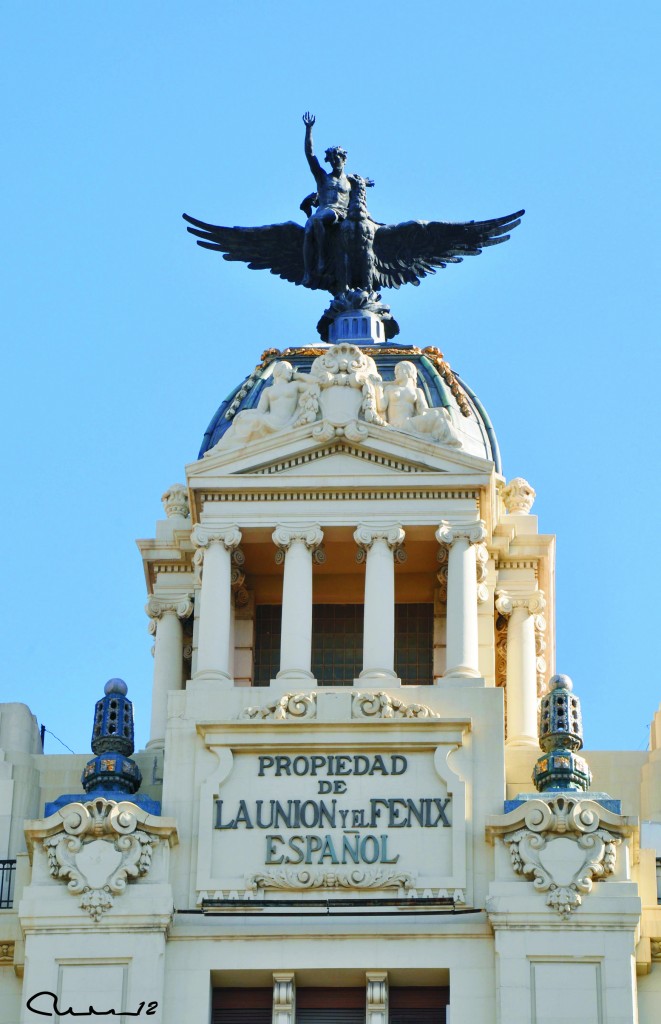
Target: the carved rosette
(357, 878)
(501, 655)
(382, 705)
(442, 574)
(289, 706)
(563, 845)
(238, 579)
(518, 497)
(98, 847)
(482, 571)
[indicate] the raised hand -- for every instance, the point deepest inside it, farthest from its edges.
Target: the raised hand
(308, 119)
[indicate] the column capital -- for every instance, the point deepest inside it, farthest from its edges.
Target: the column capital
(311, 536)
(365, 535)
(181, 606)
(533, 603)
(228, 536)
(474, 532)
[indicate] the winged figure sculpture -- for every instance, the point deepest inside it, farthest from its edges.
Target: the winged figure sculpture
(342, 249)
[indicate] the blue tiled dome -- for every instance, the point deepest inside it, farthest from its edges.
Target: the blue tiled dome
(442, 387)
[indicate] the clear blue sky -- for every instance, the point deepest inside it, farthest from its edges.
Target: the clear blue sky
(122, 337)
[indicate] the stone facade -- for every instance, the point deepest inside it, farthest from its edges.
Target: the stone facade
(353, 621)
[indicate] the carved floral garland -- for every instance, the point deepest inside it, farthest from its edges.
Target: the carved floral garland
(356, 879)
(292, 706)
(382, 705)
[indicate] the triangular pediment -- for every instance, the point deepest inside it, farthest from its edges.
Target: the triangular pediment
(379, 452)
(338, 460)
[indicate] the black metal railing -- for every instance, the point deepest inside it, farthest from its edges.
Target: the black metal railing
(7, 875)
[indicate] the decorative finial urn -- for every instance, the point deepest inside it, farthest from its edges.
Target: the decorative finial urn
(175, 502)
(519, 497)
(112, 768)
(560, 736)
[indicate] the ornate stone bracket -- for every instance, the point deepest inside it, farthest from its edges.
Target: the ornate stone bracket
(289, 706)
(358, 878)
(382, 705)
(563, 844)
(98, 847)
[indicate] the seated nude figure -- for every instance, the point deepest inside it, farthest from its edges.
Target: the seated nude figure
(404, 406)
(287, 402)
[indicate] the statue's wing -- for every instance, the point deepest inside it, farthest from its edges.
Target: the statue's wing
(275, 247)
(404, 253)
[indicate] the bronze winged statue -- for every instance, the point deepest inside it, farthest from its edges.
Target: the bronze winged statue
(342, 249)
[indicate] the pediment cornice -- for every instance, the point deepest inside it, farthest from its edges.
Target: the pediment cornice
(378, 450)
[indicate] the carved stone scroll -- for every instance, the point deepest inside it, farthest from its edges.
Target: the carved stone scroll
(563, 845)
(289, 706)
(382, 705)
(98, 847)
(357, 878)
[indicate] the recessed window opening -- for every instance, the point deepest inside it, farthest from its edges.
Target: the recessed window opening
(414, 637)
(417, 1005)
(337, 643)
(330, 1006)
(242, 1006)
(268, 627)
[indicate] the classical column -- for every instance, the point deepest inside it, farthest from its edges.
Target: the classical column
(377, 997)
(461, 616)
(379, 544)
(297, 544)
(521, 677)
(284, 997)
(166, 622)
(215, 621)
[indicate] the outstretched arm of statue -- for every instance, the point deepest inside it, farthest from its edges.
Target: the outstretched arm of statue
(315, 166)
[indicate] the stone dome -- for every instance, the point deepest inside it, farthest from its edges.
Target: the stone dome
(441, 385)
